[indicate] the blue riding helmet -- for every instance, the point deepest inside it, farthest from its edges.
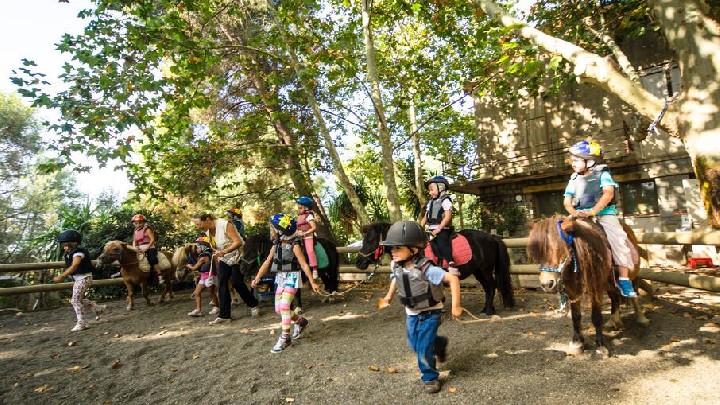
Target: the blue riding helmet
(284, 224)
(587, 150)
(306, 201)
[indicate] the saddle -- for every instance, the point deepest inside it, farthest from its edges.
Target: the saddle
(462, 253)
(144, 264)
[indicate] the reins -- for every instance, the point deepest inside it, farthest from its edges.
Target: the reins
(377, 253)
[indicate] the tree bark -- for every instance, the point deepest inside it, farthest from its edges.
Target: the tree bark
(388, 165)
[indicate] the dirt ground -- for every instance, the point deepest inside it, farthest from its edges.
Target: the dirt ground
(356, 354)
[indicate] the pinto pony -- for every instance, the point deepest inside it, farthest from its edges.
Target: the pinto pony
(116, 250)
(490, 262)
(575, 259)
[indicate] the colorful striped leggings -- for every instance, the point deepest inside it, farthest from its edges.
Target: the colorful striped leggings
(283, 297)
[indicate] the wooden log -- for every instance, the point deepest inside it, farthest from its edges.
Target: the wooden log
(708, 283)
(55, 287)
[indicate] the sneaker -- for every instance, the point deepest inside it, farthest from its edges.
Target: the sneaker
(298, 311)
(255, 312)
(195, 312)
(116, 275)
(214, 311)
(626, 289)
(79, 327)
(441, 343)
(282, 343)
(432, 387)
(299, 327)
(99, 309)
(219, 320)
(315, 274)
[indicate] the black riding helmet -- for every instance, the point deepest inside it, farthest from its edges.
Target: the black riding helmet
(405, 233)
(69, 235)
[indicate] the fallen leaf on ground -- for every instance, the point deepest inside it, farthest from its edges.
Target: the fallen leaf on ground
(289, 399)
(72, 343)
(75, 369)
(452, 389)
(115, 364)
(374, 368)
(196, 356)
(42, 388)
(391, 370)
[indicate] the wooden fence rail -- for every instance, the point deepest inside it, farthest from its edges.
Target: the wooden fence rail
(670, 238)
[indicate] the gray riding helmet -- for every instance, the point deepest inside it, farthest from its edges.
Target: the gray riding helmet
(405, 233)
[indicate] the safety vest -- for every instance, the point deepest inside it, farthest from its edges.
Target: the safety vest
(435, 212)
(85, 264)
(415, 290)
(302, 223)
(284, 258)
(588, 189)
(141, 237)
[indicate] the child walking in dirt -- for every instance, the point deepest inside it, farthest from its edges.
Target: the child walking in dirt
(420, 286)
(204, 265)
(79, 266)
(285, 260)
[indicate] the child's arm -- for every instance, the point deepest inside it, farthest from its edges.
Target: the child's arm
(151, 235)
(454, 283)
(313, 227)
(70, 270)
(607, 196)
(391, 291)
(263, 268)
(201, 260)
(447, 218)
(304, 266)
(567, 203)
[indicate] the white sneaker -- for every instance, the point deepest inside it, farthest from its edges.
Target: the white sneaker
(255, 312)
(79, 327)
(214, 311)
(282, 343)
(299, 327)
(219, 320)
(298, 311)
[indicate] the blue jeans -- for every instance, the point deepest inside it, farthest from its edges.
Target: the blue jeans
(421, 333)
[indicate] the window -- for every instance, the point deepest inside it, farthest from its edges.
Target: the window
(549, 204)
(639, 198)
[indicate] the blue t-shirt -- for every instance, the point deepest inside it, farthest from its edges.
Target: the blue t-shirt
(605, 180)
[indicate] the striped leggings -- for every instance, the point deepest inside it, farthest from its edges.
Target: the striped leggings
(283, 298)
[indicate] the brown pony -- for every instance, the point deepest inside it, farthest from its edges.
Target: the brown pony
(575, 259)
(116, 250)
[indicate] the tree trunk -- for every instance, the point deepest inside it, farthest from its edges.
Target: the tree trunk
(419, 188)
(696, 39)
(388, 165)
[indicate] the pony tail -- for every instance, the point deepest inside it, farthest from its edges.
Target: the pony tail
(502, 274)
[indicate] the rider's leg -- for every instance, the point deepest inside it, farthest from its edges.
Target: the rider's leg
(621, 254)
(309, 243)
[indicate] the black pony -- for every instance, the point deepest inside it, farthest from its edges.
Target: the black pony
(490, 262)
(257, 248)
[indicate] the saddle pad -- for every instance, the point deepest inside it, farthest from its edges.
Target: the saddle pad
(163, 262)
(462, 253)
(321, 256)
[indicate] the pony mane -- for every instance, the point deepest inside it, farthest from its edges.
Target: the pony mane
(255, 244)
(113, 243)
(180, 256)
(381, 227)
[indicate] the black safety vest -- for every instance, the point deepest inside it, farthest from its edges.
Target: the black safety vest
(588, 189)
(85, 265)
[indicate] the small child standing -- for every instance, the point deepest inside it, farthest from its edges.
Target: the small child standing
(79, 265)
(420, 286)
(591, 192)
(306, 229)
(285, 259)
(204, 265)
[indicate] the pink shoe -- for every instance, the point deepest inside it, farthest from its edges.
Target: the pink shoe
(214, 311)
(195, 312)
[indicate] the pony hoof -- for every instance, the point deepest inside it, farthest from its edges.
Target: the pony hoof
(130, 308)
(643, 321)
(575, 348)
(615, 325)
(603, 351)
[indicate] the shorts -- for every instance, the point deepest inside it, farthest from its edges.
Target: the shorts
(206, 280)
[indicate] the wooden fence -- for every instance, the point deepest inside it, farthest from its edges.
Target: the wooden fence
(708, 283)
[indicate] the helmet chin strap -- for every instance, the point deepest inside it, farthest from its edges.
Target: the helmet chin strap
(589, 163)
(415, 254)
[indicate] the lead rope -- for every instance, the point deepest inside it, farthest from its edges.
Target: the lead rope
(357, 283)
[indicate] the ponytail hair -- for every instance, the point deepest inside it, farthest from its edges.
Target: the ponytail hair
(204, 216)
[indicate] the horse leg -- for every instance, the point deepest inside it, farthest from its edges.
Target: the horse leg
(130, 293)
(639, 313)
(489, 287)
(577, 343)
(600, 347)
(615, 322)
(145, 291)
